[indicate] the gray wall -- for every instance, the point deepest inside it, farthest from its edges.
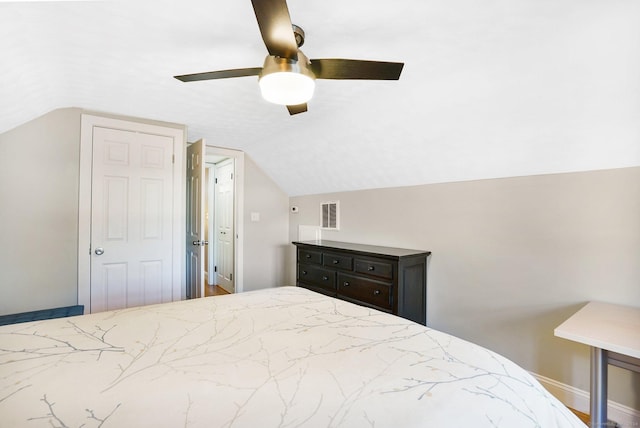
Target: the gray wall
(39, 170)
(512, 258)
(39, 164)
(265, 245)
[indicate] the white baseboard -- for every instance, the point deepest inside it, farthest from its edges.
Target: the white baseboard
(206, 279)
(577, 399)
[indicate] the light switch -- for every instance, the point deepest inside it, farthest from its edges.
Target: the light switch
(255, 217)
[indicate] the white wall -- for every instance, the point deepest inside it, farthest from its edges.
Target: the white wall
(512, 258)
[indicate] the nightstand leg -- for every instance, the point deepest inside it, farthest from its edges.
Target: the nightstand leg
(598, 388)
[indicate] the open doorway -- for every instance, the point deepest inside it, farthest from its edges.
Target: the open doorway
(224, 196)
(219, 225)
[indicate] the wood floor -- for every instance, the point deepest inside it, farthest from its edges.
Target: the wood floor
(213, 290)
(583, 416)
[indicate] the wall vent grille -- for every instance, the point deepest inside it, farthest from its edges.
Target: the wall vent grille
(330, 215)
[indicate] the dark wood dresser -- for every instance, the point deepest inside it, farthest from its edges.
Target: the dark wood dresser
(392, 280)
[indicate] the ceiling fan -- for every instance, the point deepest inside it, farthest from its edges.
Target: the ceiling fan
(287, 76)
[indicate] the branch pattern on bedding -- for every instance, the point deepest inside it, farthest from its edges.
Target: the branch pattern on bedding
(282, 357)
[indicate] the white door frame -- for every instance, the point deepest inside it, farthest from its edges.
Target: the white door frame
(238, 208)
(88, 122)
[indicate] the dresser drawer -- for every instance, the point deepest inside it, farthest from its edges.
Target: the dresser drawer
(307, 256)
(379, 268)
(365, 290)
(321, 290)
(316, 275)
(338, 261)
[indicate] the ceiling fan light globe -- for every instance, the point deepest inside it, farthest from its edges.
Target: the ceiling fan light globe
(287, 87)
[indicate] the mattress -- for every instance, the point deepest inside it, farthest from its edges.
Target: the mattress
(282, 357)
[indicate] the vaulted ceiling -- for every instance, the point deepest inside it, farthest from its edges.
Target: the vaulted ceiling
(489, 89)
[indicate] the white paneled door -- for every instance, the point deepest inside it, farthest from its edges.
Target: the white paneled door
(131, 219)
(224, 193)
(196, 239)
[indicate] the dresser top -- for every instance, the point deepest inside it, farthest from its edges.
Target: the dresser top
(361, 248)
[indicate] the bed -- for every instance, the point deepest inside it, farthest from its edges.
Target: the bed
(282, 357)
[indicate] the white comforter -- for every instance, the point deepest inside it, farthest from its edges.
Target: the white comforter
(282, 357)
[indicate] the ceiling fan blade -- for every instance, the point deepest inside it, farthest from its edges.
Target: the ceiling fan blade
(222, 74)
(276, 29)
(336, 68)
(300, 108)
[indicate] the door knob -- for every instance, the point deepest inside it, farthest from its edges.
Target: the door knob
(196, 243)
(99, 251)
(205, 243)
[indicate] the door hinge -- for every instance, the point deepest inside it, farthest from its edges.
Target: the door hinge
(230, 277)
(232, 175)
(215, 268)
(173, 158)
(216, 180)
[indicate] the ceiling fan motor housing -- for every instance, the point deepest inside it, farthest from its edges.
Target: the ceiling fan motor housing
(276, 64)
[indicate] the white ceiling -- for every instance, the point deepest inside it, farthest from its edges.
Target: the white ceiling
(489, 89)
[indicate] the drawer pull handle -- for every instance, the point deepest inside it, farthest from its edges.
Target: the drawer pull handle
(371, 268)
(335, 262)
(325, 278)
(346, 284)
(304, 272)
(376, 292)
(308, 256)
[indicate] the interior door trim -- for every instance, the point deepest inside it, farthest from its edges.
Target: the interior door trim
(178, 133)
(238, 215)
